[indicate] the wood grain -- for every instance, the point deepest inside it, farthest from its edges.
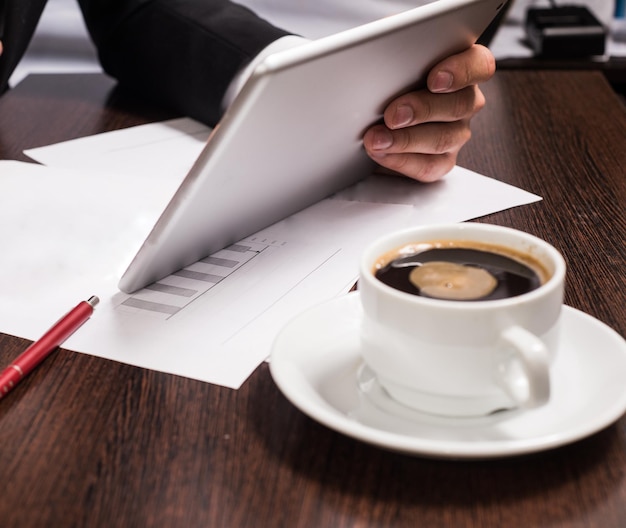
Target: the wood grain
(87, 442)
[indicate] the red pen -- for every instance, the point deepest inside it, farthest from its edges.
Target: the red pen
(43, 347)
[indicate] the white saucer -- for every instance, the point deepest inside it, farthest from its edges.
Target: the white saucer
(317, 365)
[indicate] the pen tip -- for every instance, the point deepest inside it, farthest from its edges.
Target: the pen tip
(93, 301)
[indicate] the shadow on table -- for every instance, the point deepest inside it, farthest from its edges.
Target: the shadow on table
(365, 474)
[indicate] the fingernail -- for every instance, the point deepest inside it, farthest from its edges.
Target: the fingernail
(403, 116)
(442, 82)
(382, 139)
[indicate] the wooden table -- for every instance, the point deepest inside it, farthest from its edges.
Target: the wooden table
(614, 68)
(88, 442)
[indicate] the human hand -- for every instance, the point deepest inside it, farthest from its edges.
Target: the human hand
(424, 131)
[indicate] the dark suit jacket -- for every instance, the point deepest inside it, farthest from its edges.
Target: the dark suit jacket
(18, 20)
(179, 53)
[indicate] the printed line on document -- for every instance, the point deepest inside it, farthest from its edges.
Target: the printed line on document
(330, 257)
(168, 296)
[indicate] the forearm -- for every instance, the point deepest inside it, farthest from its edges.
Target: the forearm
(179, 53)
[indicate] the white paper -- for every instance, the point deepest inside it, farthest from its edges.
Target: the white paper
(70, 229)
(69, 236)
(158, 150)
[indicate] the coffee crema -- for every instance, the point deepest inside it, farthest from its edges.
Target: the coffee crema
(460, 271)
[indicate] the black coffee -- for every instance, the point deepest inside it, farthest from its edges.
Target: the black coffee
(459, 273)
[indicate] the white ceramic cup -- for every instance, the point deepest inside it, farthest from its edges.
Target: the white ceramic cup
(462, 358)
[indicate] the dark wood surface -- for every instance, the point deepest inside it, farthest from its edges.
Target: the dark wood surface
(94, 443)
(614, 68)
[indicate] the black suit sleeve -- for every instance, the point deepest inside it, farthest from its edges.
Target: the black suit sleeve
(178, 53)
(18, 19)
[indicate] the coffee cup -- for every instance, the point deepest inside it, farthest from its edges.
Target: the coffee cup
(461, 319)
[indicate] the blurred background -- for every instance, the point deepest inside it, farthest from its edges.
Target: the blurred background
(61, 42)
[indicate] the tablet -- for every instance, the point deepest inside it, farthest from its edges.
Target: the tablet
(292, 136)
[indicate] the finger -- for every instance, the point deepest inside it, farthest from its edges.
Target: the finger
(424, 106)
(472, 66)
(429, 138)
(425, 168)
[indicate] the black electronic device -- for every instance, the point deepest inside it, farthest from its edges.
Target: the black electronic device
(564, 31)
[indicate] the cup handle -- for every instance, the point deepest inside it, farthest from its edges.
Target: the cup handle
(523, 370)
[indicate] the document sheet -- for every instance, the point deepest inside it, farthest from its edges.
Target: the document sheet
(71, 226)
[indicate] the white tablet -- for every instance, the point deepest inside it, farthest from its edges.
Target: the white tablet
(293, 134)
